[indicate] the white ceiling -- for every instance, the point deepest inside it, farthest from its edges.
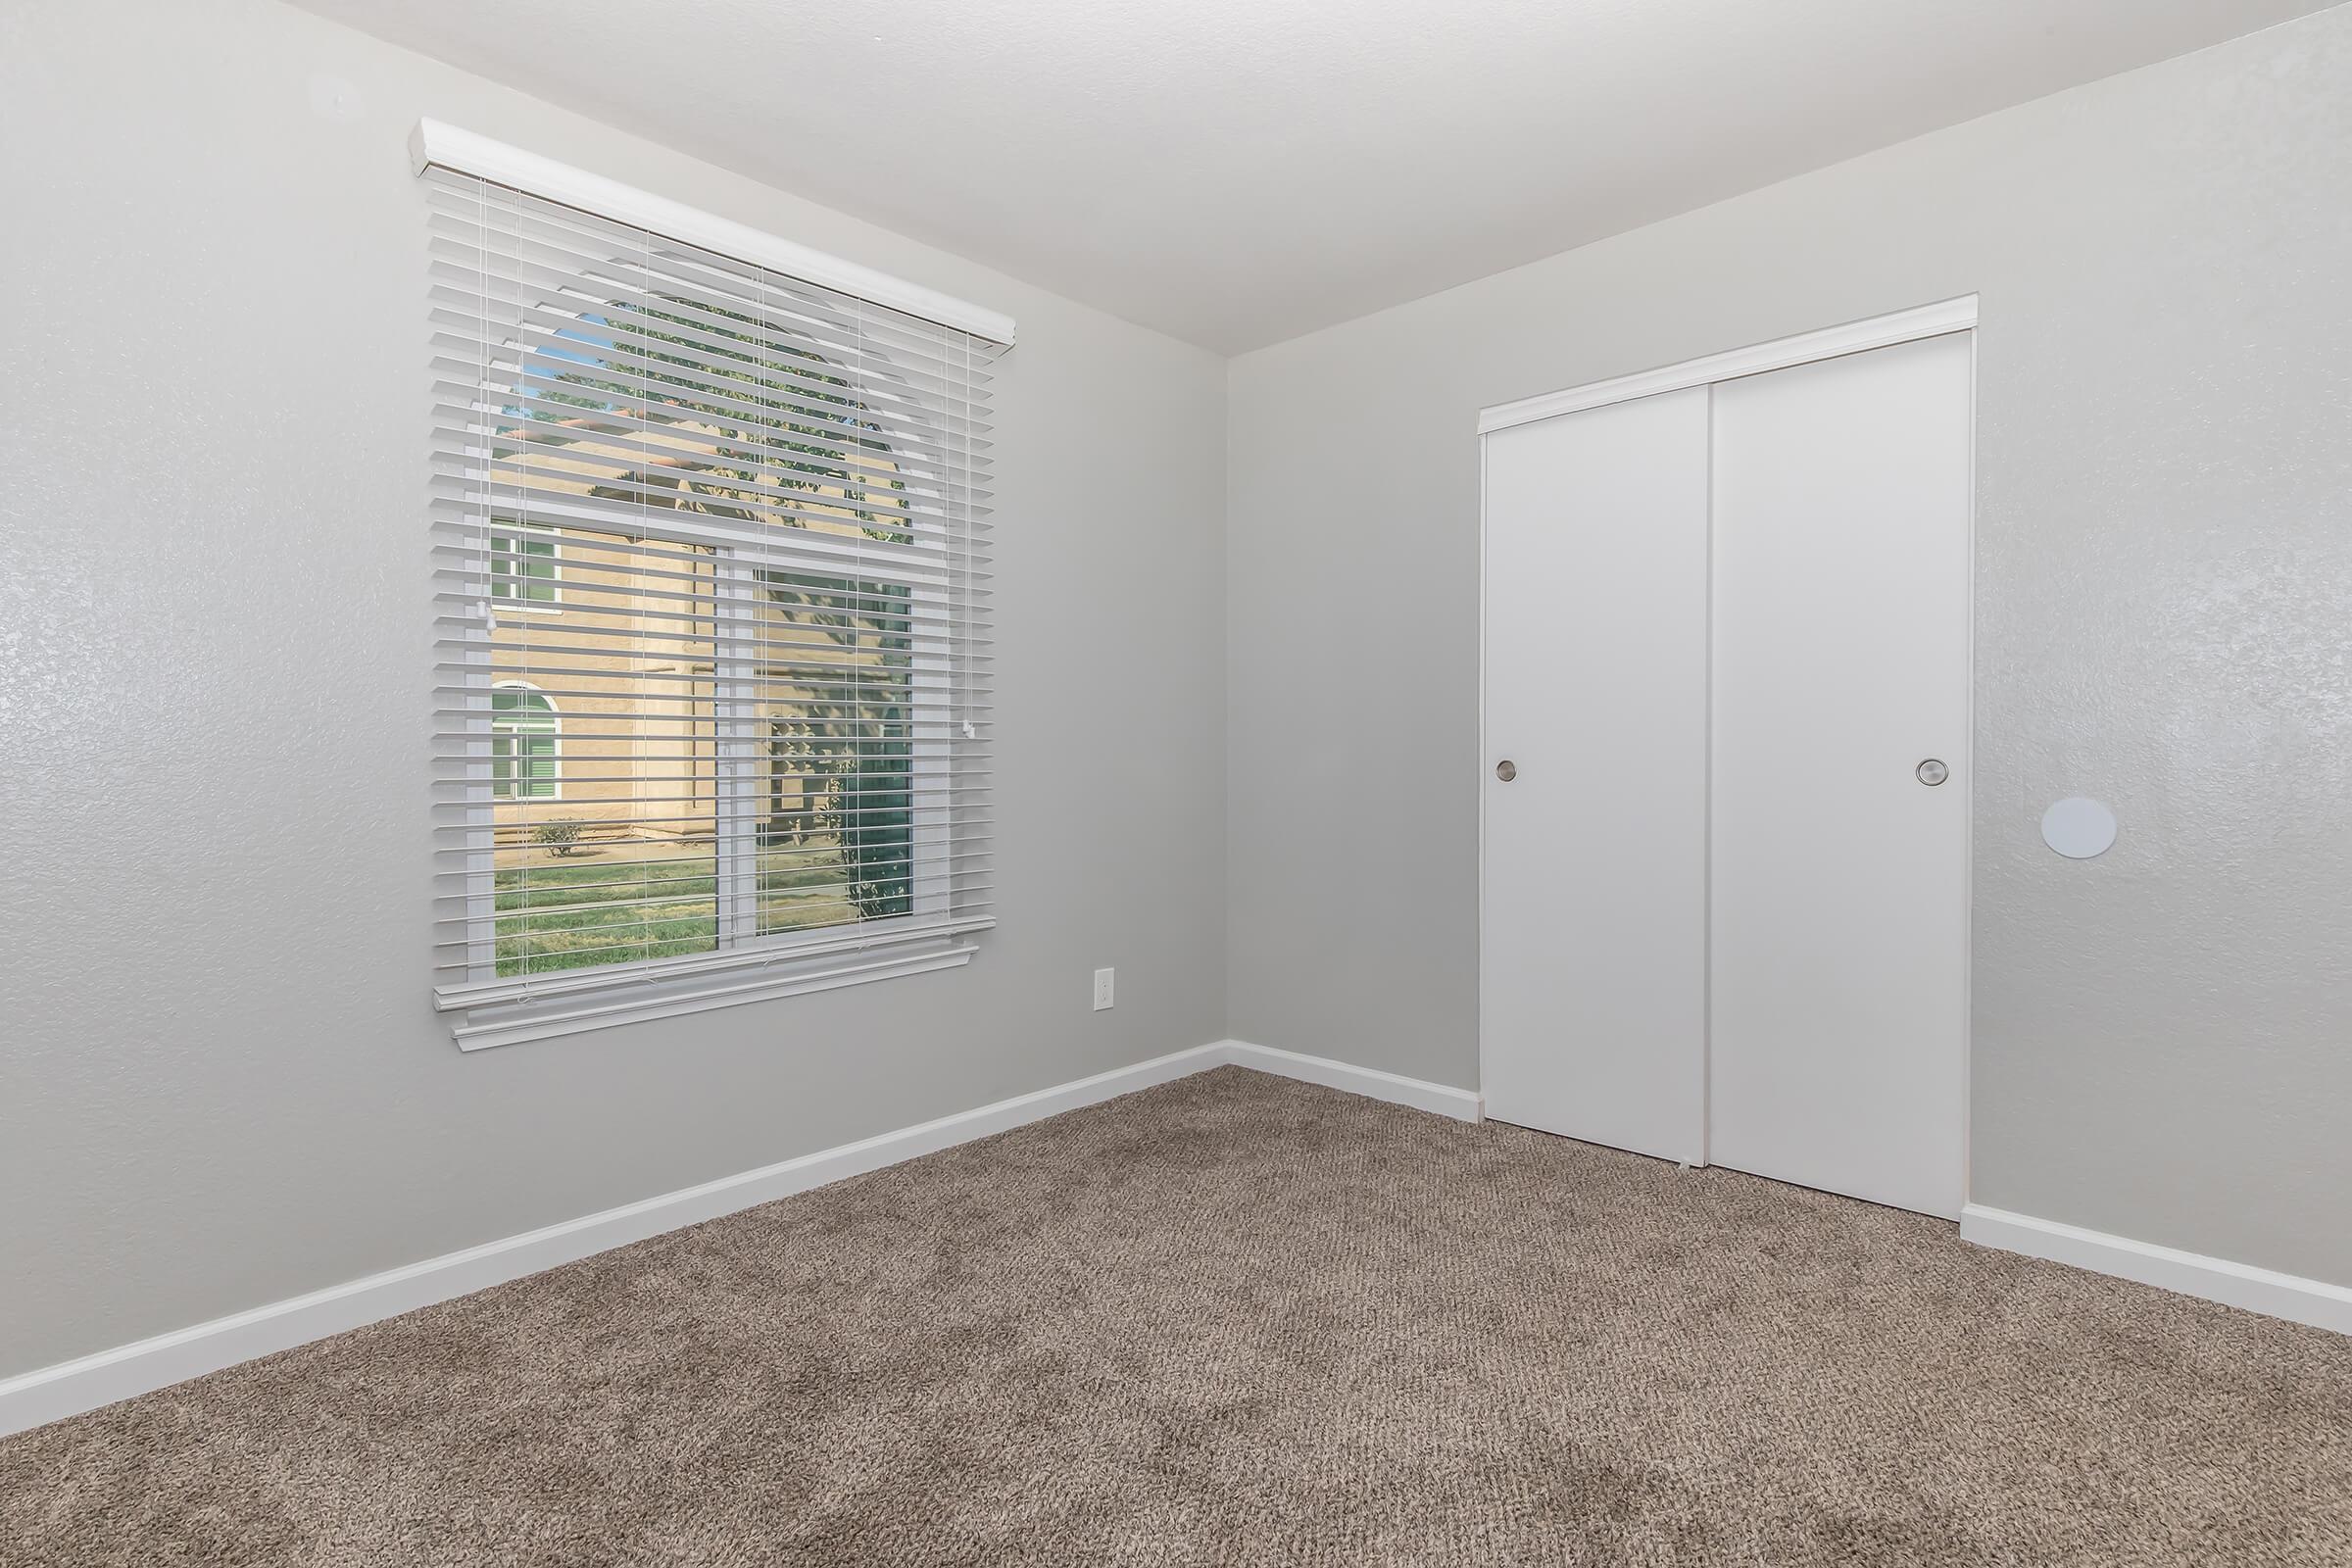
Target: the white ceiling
(1238, 171)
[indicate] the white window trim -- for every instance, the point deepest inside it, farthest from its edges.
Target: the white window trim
(543, 1016)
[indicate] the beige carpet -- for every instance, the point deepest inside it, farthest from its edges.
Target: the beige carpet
(1242, 1320)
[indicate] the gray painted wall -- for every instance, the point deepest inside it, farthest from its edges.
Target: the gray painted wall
(2164, 613)
(219, 1079)
(220, 1082)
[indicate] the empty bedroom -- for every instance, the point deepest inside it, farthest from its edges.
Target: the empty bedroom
(1308, 782)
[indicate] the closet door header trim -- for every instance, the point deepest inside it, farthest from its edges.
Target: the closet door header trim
(1829, 343)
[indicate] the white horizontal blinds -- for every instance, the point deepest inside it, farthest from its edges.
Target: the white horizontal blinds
(710, 547)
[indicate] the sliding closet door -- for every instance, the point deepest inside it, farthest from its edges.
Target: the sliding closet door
(1841, 497)
(1592, 956)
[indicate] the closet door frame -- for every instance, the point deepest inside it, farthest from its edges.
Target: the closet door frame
(1938, 320)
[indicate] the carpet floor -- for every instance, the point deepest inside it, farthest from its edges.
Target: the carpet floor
(1242, 1320)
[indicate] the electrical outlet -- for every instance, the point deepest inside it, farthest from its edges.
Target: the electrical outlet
(1103, 988)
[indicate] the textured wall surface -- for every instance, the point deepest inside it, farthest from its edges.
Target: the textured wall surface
(220, 1080)
(2164, 566)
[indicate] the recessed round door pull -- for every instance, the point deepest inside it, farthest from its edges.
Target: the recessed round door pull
(1932, 771)
(1507, 770)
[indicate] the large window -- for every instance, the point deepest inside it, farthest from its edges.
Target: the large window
(714, 706)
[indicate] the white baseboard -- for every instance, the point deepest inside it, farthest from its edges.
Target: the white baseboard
(1462, 1104)
(53, 1393)
(2213, 1279)
(70, 1387)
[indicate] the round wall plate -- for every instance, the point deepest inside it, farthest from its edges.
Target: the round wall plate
(2078, 827)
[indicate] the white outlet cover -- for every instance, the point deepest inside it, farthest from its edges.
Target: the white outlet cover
(2078, 828)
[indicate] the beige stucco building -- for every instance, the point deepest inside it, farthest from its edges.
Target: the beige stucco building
(620, 691)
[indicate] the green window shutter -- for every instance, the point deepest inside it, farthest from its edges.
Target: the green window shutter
(538, 768)
(538, 563)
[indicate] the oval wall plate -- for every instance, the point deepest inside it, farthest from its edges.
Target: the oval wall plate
(2078, 827)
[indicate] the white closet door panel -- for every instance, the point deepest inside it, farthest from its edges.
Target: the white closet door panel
(1841, 497)
(1593, 957)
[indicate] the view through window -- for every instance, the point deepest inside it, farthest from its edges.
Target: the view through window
(733, 723)
(717, 685)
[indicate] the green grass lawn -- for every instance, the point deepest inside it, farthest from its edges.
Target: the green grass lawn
(797, 890)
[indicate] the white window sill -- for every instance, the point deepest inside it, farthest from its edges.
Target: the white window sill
(575, 1001)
